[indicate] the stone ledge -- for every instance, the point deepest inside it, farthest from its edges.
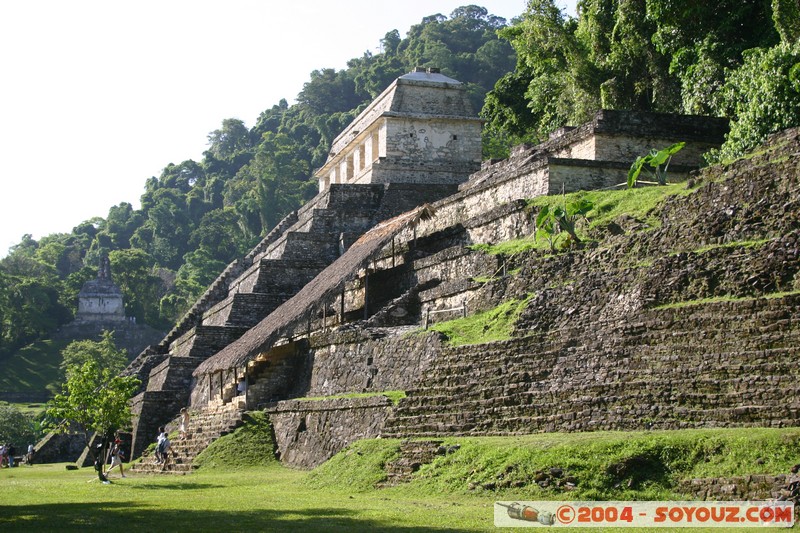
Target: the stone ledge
(329, 404)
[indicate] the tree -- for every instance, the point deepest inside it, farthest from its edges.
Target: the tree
(220, 236)
(122, 221)
(32, 309)
(567, 68)
(133, 272)
(329, 91)
(16, 427)
(704, 40)
(786, 16)
(103, 352)
(552, 85)
(94, 401)
(198, 271)
(636, 74)
(762, 97)
(229, 140)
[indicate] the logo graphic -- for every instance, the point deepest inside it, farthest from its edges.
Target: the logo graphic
(644, 514)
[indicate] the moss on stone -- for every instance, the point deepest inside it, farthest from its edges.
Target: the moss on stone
(493, 325)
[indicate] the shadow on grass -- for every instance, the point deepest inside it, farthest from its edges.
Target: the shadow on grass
(131, 516)
(173, 485)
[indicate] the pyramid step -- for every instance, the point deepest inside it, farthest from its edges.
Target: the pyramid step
(205, 426)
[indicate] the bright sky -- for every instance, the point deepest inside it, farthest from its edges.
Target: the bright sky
(96, 96)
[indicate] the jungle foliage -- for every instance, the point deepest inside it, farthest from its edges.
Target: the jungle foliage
(737, 59)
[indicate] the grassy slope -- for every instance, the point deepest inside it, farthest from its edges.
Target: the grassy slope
(250, 445)
(487, 326)
(33, 368)
(447, 495)
(605, 465)
(608, 205)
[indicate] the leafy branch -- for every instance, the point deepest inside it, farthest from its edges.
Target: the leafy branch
(655, 159)
(550, 222)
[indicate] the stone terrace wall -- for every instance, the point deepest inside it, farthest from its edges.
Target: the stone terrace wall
(570, 175)
(308, 433)
(594, 350)
(713, 365)
(618, 135)
(148, 408)
(361, 361)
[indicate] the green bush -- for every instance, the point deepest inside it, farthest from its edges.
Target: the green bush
(763, 97)
(17, 428)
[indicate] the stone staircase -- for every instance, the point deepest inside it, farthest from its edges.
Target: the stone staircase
(711, 365)
(205, 427)
(289, 257)
(413, 454)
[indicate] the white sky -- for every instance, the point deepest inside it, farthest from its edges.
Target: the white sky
(96, 96)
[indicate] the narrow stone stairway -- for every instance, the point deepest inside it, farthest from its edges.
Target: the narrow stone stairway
(205, 426)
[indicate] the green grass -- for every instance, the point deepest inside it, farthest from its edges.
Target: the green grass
(271, 498)
(611, 204)
(394, 395)
(606, 465)
(453, 493)
(31, 409)
(250, 445)
(357, 468)
(608, 206)
(487, 326)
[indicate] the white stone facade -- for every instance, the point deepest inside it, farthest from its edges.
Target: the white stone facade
(100, 300)
(101, 306)
(421, 129)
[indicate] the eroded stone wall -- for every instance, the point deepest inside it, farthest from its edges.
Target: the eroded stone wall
(714, 365)
(753, 487)
(416, 141)
(355, 362)
(308, 433)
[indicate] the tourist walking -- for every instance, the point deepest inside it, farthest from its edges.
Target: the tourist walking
(116, 457)
(165, 446)
(184, 422)
(162, 434)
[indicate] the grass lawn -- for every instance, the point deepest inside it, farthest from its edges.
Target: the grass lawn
(272, 498)
(228, 493)
(31, 409)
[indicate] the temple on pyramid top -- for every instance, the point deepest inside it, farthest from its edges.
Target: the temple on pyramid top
(421, 129)
(100, 299)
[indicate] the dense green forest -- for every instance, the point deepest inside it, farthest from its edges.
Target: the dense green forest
(739, 59)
